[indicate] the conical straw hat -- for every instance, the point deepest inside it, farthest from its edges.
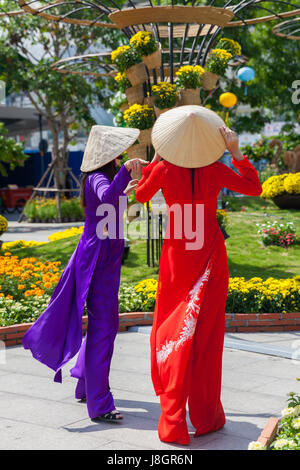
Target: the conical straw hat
(106, 143)
(189, 136)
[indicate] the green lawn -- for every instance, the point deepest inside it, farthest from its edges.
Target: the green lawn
(247, 256)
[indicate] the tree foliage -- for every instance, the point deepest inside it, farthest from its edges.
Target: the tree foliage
(12, 152)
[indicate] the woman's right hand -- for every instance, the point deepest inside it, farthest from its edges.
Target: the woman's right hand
(232, 142)
(131, 187)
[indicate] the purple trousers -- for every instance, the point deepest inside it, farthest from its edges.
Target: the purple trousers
(94, 358)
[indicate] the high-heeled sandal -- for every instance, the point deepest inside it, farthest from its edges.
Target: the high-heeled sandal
(111, 417)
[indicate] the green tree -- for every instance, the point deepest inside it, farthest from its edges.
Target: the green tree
(276, 64)
(12, 152)
(64, 100)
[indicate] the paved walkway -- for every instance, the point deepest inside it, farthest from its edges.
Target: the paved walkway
(259, 369)
(32, 231)
(36, 413)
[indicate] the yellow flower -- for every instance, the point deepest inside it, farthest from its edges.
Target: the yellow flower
(221, 53)
(118, 51)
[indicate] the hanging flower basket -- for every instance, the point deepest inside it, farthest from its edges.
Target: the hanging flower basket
(159, 111)
(124, 106)
(287, 201)
(153, 61)
(189, 96)
(137, 151)
(145, 136)
(137, 74)
(209, 80)
(149, 100)
(165, 97)
(135, 94)
(145, 45)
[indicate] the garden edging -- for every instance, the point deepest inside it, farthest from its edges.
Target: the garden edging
(234, 322)
(269, 432)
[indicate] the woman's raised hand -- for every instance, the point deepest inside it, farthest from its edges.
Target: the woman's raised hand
(135, 164)
(232, 142)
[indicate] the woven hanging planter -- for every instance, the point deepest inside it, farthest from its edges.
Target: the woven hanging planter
(153, 61)
(135, 95)
(124, 106)
(149, 101)
(145, 136)
(137, 74)
(137, 151)
(209, 80)
(159, 111)
(189, 96)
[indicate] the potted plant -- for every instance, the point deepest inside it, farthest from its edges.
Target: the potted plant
(140, 117)
(215, 68)
(128, 61)
(134, 94)
(137, 151)
(284, 190)
(146, 46)
(165, 97)
(149, 100)
(189, 81)
(3, 227)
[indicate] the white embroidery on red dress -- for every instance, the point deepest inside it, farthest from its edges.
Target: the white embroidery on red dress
(190, 320)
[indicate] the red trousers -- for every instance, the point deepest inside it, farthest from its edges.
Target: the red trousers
(203, 375)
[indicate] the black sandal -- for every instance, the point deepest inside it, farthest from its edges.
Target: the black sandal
(110, 417)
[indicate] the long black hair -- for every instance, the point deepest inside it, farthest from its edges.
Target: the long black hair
(110, 170)
(193, 182)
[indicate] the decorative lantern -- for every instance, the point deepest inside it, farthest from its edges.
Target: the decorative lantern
(228, 100)
(245, 74)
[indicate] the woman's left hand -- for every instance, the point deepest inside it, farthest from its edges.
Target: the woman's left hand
(135, 164)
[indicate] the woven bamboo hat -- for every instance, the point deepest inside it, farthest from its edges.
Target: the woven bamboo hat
(106, 143)
(189, 136)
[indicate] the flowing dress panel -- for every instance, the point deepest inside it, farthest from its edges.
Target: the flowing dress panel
(56, 336)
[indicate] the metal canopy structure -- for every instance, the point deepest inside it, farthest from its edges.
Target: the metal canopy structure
(186, 31)
(288, 29)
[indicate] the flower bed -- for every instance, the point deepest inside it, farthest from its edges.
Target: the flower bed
(69, 232)
(42, 209)
(275, 233)
(23, 281)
